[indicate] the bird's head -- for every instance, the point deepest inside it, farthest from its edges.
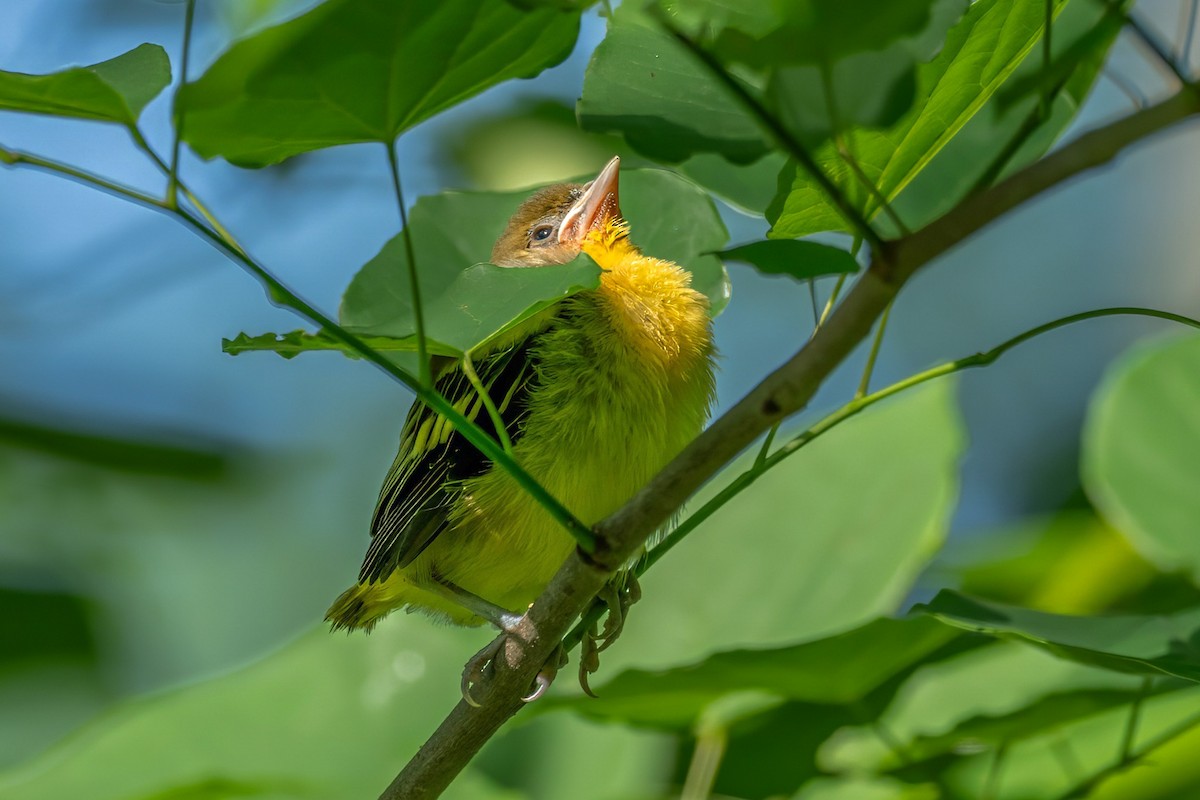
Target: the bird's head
(555, 223)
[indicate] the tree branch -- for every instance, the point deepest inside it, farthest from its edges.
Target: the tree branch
(782, 393)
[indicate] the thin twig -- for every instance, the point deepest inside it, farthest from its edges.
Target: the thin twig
(468, 368)
(1161, 54)
(1084, 788)
(173, 173)
(1131, 723)
(864, 384)
(1047, 52)
(414, 285)
(1185, 53)
(1126, 86)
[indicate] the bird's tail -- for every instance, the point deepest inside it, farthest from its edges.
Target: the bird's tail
(354, 610)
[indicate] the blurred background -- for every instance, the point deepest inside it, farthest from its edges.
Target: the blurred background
(168, 513)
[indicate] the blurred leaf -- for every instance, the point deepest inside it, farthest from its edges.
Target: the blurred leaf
(828, 540)
(669, 218)
(1044, 716)
(1141, 454)
(362, 71)
(327, 716)
(1142, 645)
(112, 91)
(644, 85)
(979, 54)
(43, 625)
(746, 187)
(1070, 563)
(992, 681)
(798, 259)
(677, 698)
(1052, 765)
(865, 788)
(128, 453)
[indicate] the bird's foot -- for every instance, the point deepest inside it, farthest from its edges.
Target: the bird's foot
(616, 598)
(477, 669)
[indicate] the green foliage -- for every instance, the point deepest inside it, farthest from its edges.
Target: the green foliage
(1142, 452)
(771, 630)
(350, 71)
(798, 259)
(112, 91)
(324, 717)
(1142, 645)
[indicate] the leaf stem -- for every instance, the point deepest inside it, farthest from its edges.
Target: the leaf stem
(1185, 52)
(173, 173)
(1131, 724)
(1047, 53)
(706, 761)
(864, 383)
(280, 295)
(468, 368)
(414, 286)
(779, 132)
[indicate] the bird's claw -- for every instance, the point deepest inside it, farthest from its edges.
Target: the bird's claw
(617, 597)
(476, 670)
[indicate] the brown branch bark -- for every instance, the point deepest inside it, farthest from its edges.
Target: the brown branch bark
(782, 393)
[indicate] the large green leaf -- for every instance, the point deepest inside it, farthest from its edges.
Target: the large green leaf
(363, 71)
(326, 717)
(829, 539)
(643, 84)
(669, 218)
(676, 698)
(980, 54)
(745, 187)
(1142, 645)
(112, 91)
(1141, 453)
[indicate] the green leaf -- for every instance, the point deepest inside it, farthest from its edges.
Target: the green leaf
(829, 539)
(675, 699)
(326, 716)
(800, 260)
(111, 91)
(1142, 645)
(363, 71)
(865, 788)
(466, 307)
(642, 84)
(745, 187)
(1141, 452)
(835, 63)
(1055, 711)
(979, 55)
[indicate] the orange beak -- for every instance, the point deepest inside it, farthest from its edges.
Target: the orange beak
(598, 205)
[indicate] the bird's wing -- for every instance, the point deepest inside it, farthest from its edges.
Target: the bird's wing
(434, 459)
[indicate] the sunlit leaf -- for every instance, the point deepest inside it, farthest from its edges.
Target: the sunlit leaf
(790, 257)
(1141, 455)
(363, 71)
(1143, 645)
(979, 55)
(112, 91)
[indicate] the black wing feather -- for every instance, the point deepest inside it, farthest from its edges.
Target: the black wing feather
(423, 484)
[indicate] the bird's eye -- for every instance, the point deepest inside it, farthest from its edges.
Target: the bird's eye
(541, 233)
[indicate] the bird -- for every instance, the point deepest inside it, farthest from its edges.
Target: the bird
(596, 394)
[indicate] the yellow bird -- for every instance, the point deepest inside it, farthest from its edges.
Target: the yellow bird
(597, 394)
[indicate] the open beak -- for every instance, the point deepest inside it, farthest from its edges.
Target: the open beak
(597, 206)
